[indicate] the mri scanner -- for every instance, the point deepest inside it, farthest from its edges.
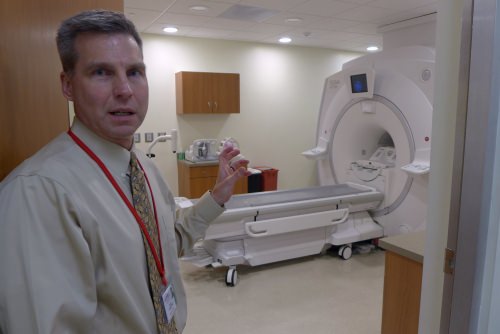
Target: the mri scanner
(373, 158)
(374, 129)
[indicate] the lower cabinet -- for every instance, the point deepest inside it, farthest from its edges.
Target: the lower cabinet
(196, 178)
(404, 258)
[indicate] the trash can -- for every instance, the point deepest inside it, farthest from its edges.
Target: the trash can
(269, 178)
(254, 180)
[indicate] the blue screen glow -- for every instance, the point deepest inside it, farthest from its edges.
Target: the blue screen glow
(359, 83)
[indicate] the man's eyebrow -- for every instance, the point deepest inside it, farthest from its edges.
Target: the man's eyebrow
(98, 64)
(140, 65)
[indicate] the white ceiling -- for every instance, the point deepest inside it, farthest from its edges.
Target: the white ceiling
(338, 24)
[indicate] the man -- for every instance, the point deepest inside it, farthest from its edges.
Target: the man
(74, 252)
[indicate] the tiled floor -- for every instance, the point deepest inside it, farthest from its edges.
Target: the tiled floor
(314, 295)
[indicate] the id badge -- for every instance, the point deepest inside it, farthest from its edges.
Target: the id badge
(169, 302)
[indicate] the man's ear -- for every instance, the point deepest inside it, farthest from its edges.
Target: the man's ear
(66, 86)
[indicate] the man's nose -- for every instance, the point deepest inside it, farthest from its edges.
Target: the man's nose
(122, 87)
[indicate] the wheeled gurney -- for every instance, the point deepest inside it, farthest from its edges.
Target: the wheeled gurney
(260, 228)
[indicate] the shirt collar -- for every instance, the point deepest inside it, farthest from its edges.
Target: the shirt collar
(115, 157)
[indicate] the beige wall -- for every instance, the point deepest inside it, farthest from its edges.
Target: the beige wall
(280, 89)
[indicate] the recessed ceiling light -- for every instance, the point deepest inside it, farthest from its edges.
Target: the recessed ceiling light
(170, 30)
(198, 8)
(285, 40)
(293, 19)
(372, 48)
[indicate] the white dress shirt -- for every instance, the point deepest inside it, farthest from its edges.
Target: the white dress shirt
(72, 259)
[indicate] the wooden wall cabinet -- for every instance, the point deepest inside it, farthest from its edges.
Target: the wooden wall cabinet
(205, 92)
(195, 179)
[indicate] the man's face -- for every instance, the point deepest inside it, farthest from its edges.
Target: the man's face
(108, 86)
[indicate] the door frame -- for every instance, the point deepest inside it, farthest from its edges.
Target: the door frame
(473, 226)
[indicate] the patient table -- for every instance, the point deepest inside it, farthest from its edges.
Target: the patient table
(272, 226)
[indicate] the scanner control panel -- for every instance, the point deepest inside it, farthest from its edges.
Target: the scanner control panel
(417, 168)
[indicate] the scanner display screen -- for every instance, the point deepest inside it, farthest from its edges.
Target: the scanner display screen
(359, 83)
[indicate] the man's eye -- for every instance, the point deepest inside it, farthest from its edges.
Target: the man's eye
(134, 73)
(100, 72)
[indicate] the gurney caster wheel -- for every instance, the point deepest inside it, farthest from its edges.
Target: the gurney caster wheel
(345, 252)
(231, 277)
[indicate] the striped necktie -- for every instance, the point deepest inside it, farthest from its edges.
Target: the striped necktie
(143, 206)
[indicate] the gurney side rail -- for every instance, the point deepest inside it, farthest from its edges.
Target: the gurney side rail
(282, 225)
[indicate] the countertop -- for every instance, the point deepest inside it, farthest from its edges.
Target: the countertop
(199, 163)
(410, 245)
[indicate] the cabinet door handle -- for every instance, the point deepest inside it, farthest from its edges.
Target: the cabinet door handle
(215, 105)
(209, 105)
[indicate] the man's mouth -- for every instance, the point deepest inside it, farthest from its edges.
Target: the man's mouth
(121, 113)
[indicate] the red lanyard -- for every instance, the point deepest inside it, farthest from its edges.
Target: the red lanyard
(159, 260)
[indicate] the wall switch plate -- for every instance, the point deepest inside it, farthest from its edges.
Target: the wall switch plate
(148, 137)
(137, 137)
(162, 134)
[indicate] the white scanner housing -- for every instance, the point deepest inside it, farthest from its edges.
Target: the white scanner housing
(388, 108)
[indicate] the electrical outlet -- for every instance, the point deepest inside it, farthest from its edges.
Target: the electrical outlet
(162, 134)
(137, 137)
(148, 137)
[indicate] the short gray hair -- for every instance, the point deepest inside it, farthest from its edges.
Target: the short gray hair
(91, 21)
